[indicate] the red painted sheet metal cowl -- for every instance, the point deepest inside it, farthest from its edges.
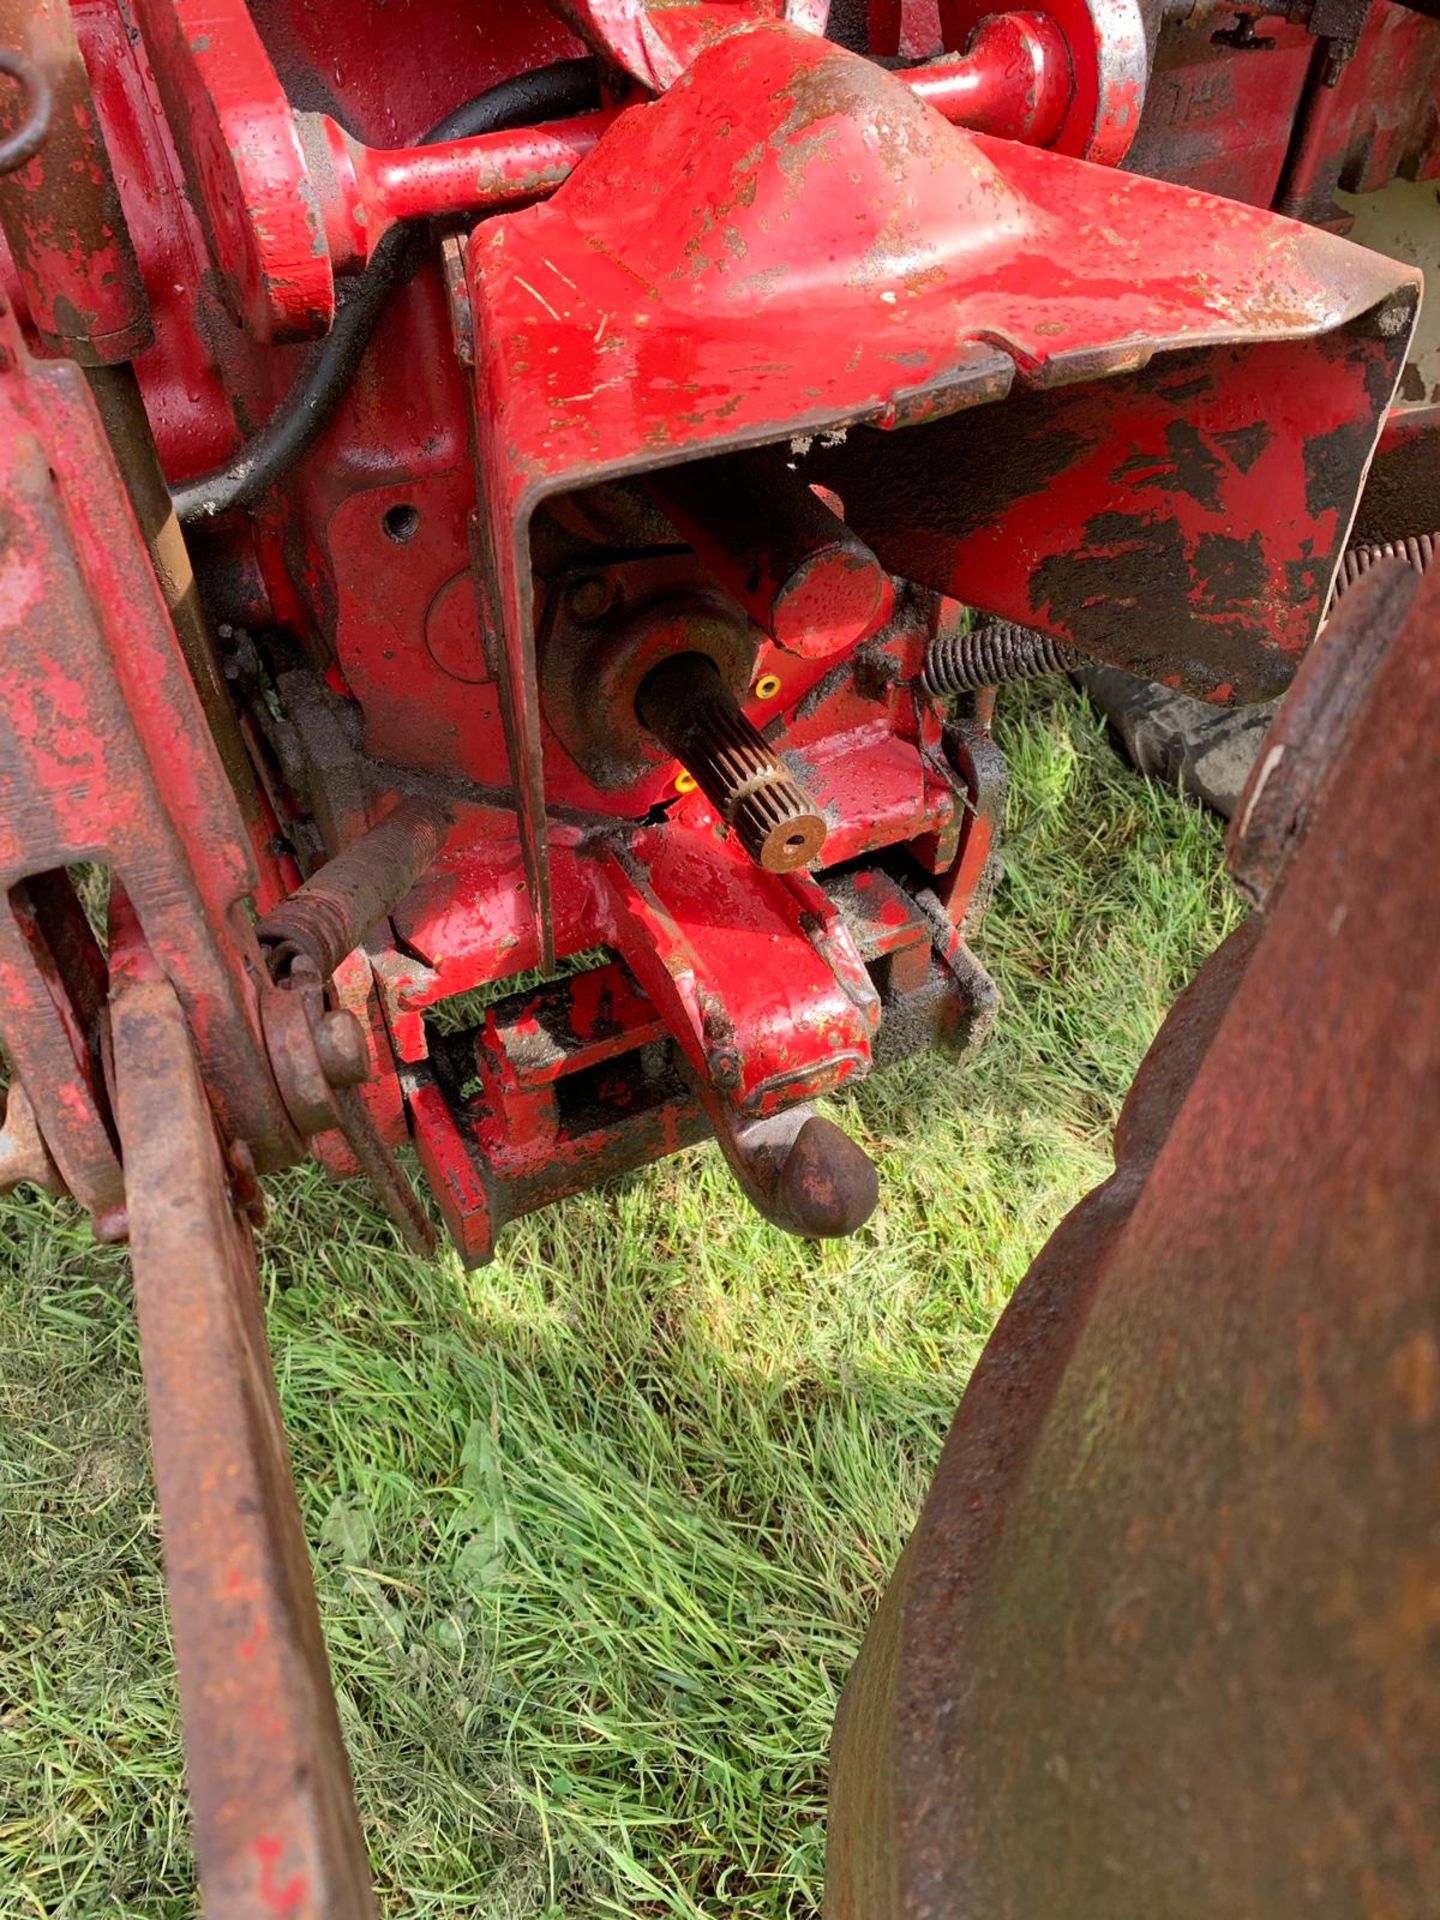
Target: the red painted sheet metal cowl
(810, 248)
(798, 191)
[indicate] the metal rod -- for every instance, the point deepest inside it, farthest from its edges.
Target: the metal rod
(338, 905)
(778, 550)
(275, 1823)
(687, 706)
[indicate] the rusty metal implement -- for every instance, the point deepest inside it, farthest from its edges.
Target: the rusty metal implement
(1163, 1640)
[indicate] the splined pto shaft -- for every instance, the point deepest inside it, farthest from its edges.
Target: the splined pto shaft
(687, 706)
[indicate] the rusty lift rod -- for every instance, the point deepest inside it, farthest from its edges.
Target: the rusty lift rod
(337, 906)
(276, 1830)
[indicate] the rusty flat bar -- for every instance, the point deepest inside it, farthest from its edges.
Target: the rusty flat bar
(276, 1830)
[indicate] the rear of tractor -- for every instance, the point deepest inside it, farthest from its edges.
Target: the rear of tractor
(511, 488)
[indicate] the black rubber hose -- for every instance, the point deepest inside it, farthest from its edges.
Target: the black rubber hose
(550, 93)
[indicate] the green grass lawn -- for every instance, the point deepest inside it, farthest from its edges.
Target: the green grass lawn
(599, 1529)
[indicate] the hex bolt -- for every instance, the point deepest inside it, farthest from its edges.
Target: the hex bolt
(687, 706)
(341, 1046)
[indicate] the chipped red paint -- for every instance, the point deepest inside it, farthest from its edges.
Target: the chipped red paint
(1122, 410)
(285, 1899)
(72, 253)
(244, 163)
(276, 1829)
(1161, 468)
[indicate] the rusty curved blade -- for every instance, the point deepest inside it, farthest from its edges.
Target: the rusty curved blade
(1166, 1640)
(276, 1830)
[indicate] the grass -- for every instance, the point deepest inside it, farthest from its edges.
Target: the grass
(599, 1529)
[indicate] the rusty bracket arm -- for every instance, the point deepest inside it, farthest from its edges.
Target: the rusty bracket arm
(276, 1829)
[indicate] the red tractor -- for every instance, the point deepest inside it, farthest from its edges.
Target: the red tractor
(549, 488)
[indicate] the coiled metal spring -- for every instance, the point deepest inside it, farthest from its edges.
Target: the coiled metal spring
(989, 655)
(997, 651)
(1418, 552)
